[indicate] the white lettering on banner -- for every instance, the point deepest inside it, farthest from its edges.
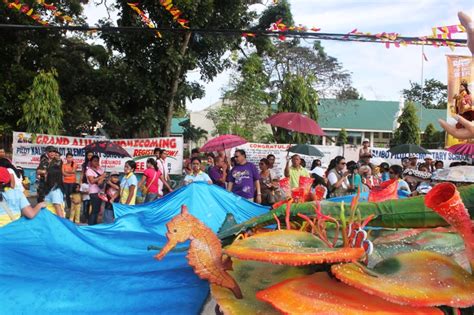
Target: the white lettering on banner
(438, 155)
(257, 151)
(27, 150)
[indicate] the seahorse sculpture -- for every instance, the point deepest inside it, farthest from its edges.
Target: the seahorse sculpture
(205, 251)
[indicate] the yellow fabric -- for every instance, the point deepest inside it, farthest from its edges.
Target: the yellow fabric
(124, 192)
(295, 174)
(51, 208)
(25, 182)
(5, 219)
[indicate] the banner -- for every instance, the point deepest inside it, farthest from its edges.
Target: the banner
(459, 72)
(27, 151)
(438, 155)
(257, 151)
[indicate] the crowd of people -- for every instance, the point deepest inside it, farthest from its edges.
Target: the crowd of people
(89, 197)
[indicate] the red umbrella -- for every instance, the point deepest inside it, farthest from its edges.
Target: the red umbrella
(463, 149)
(222, 143)
(295, 122)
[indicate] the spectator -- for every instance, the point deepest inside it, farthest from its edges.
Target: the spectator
(439, 165)
(365, 149)
(266, 182)
(429, 163)
(316, 163)
(385, 171)
(85, 165)
(15, 175)
(295, 171)
(163, 188)
(197, 175)
(187, 162)
(112, 190)
(15, 200)
(337, 177)
(54, 190)
(25, 182)
(395, 172)
(423, 167)
(151, 178)
(69, 178)
(128, 184)
(365, 159)
(355, 181)
(96, 178)
(85, 201)
(47, 160)
(209, 162)
(218, 173)
(275, 172)
(319, 182)
(76, 201)
(405, 162)
(413, 161)
(2, 153)
(244, 178)
(419, 181)
(303, 163)
(368, 179)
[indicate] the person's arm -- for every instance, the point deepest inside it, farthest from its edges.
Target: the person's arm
(142, 181)
(258, 198)
(12, 180)
(67, 172)
(59, 209)
(31, 212)
(341, 180)
(229, 186)
(131, 192)
(287, 169)
(166, 183)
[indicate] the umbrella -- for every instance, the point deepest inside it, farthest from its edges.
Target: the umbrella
(408, 148)
(295, 122)
(462, 149)
(222, 143)
(107, 147)
(306, 150)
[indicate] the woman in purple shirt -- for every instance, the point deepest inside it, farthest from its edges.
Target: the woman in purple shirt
(218, 173)
(244, 178)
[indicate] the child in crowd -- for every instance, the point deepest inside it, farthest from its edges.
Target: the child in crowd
(86, 201)
(76, 201)
(25, 182)
(112, 189)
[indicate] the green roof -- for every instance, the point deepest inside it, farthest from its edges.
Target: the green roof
(368, 115)
(176, 128)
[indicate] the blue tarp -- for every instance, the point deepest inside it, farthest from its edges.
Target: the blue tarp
(364, 197)
(48, 265)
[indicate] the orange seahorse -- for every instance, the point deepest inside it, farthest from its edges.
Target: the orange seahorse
(205, 251)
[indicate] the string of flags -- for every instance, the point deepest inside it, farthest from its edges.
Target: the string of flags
(175, 13)
(145, 19)
(30, 12)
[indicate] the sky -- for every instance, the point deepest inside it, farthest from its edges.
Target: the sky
(377, 73)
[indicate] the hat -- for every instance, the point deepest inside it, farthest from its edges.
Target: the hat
(365, 140)
(51, 148)
(428, 157)
(318, 171)
(4, 176)
(416, 173)
(412, 156)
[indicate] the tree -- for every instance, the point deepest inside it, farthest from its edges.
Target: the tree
(42, 111)
(297, 95)
(433, 95)
(408, 130)
(349, 93)
(191, 132)
(342, 137)
(245, 104)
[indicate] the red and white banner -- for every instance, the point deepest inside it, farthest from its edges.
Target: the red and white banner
(27, 150)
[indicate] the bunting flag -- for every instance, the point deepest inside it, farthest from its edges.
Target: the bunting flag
(145, 19)
(175, 12)
(446, 31)
(54, 10)
(279, 26)
(27, 10)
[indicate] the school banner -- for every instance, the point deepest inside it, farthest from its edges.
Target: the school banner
(459, 73)
(27, 150)
(257, 151)
(438, 155)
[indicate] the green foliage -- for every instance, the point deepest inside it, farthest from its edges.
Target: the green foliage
(342, 137)
(245, 106)
(433, 95)
(191, 132)
(349, 93)
(432, 139)
(297, 95)
(408, 130)
(42, 112)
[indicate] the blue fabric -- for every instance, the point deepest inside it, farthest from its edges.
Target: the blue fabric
(364, 197)
(48, 265)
